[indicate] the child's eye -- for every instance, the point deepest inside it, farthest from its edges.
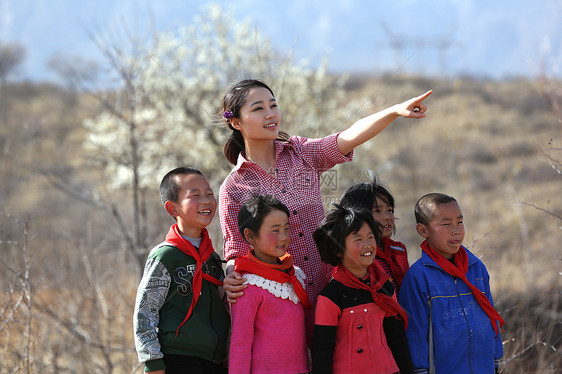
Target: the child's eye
(257, 108)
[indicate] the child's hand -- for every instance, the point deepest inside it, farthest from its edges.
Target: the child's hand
(413, 108)
(233, 284)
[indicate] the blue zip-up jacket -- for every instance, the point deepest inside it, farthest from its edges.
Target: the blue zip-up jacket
(448, 331)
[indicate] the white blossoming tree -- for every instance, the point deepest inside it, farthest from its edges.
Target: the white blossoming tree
(170, 91)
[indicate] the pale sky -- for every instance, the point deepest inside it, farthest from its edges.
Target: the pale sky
(486, 38)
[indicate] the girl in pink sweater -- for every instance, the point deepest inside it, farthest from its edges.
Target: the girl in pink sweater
(268, 330)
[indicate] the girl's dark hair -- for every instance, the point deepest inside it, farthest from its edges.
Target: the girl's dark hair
(339, 223)
(254, 211)
(364, 195)
(232, 101)
(169, 187)
(426, 206)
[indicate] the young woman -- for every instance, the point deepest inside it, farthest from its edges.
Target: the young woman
(289, 168)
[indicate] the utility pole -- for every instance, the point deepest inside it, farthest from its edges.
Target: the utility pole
(400, 43)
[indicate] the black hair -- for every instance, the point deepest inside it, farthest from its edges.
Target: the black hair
(233, 100)
(426, 206)
(365, 194)
(340, 222)
(169, 187)
(254, 211)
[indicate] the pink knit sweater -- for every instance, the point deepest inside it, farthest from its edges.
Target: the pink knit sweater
(268, 334)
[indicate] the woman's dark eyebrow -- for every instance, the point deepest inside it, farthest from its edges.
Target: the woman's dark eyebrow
(261, 102)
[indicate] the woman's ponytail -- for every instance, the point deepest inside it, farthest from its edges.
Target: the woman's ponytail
(233, 146)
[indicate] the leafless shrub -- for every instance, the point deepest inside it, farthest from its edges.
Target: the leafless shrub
(535, 341)
(65, 327)
(17, 303)
(533, 337)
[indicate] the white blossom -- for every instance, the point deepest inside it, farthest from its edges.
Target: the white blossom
(172, 90)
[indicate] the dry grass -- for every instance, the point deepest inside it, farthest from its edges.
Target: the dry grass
(72, 333)
(483, 142)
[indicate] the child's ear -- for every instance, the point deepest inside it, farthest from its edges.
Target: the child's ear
(170, 208)
(249, 235)
(422, 230)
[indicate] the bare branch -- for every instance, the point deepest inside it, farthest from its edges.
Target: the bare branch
(550, 213)
(527, 349)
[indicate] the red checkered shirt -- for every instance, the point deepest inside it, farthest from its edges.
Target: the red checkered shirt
(296, 182)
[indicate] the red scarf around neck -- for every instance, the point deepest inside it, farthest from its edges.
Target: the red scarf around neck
(377, 277)
(459, 269)
(205, 251)
(386, 254)
(284, 272)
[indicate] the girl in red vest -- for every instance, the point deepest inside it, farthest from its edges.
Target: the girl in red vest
(359, 326)
(268, 328)
(391, 255)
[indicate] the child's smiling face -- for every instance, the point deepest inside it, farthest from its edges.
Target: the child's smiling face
(196, 204)
(383, 213)
(272, 239)
(360, 250)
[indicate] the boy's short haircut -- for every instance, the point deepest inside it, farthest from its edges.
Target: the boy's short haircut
(427, 204)
(169, 188)
(254, 210)
(338, 224)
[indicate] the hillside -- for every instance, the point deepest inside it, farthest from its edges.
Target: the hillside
(484, 142)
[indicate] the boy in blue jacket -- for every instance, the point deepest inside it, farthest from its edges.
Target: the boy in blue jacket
(453, 326)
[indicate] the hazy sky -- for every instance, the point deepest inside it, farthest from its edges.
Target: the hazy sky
(486, 38)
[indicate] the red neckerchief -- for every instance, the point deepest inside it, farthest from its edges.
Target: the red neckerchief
(386, 254)
(205, 251)
(284, 272)
(459, 269)
(377, 277)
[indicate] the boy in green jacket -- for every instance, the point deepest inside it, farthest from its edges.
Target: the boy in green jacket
(180, 321)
